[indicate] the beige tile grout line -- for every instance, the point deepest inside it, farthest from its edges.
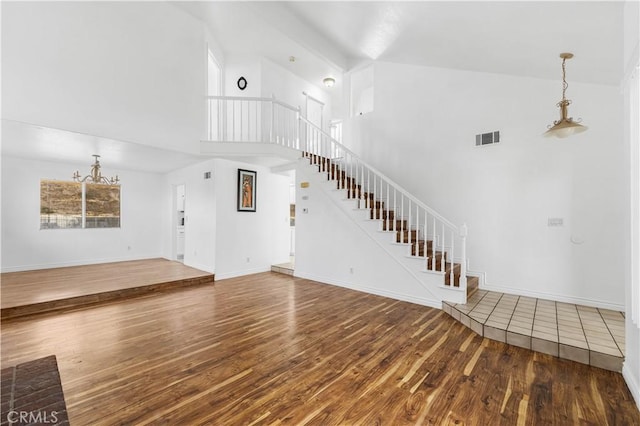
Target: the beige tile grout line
(609, 330)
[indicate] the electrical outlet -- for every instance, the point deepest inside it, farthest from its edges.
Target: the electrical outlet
(351, 270)
(248, 259)
(555, 222)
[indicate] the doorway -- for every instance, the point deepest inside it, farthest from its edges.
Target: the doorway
(179, 225)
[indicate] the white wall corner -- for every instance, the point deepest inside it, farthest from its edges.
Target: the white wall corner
(411, 298)
(242, 273)
(632, 383)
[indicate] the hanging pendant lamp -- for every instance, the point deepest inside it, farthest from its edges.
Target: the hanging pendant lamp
(566, 126)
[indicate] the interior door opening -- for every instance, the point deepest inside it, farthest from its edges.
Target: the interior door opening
(180, 197)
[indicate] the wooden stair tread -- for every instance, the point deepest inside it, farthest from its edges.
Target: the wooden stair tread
(419, 247)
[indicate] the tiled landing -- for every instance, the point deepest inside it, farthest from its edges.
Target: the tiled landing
(588, 335)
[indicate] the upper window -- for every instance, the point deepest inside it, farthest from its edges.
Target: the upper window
(78, 205)
(362, 91)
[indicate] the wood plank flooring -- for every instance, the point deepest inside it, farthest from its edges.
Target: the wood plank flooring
(272, 349)
(30, 292)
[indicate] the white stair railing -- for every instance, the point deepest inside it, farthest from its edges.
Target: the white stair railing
(268, 120)
(252, 119)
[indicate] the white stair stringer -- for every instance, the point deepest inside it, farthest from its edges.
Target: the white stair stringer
(428, 285)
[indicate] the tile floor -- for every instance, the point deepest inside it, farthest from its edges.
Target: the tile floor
(584, 334)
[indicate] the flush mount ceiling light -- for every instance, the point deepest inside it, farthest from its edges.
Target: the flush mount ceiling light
(329, 81)
(96, 175)
(566, 126)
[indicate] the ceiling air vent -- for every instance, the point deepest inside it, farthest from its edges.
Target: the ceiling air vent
(207, 175)
(488, 138)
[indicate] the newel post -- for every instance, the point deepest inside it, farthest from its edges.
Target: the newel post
(463, 253)
(298, 124)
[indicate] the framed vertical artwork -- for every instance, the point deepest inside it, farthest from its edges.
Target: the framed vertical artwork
(247, 180)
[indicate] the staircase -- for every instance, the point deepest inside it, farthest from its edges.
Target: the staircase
(424, 243)
(420, 247)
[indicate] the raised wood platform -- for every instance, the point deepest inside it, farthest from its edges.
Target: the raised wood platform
(47, 290)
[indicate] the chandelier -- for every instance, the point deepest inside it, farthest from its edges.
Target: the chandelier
(566, 126)
(96, 176)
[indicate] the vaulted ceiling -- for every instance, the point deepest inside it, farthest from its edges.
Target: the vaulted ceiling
(522, 38)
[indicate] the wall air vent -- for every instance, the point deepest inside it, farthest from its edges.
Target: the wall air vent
(207, 175)
(488, 138)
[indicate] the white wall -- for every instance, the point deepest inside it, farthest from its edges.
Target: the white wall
(27, 247)
(247, 66)
(631, 87)
(332, 248)
(127, 71)
(288, 88)
(200, 215)
(248, 242)
(422, 134)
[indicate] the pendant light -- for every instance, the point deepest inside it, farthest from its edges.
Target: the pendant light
(566, 126)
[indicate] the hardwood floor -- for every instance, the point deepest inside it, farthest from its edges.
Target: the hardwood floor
(273, 349)
(32, 292)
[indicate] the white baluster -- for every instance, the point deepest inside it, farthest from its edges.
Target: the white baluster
(369, 188)
(417, 243)
(426, 235)
(451, 275)
(362, 185)
(388, 213)
(298, 124)
(409, 224)
(442, 261)
(463, 260)
(433, 246)
(395, 210)
(375, 197)
(404, 223)
(249, 120)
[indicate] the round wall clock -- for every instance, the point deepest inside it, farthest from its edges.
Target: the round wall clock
(242, 83)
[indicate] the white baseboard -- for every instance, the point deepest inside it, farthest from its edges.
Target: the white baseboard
(371, 290)
(632, 383)
(201, 267)
(34, 267)
(552, 296)
(234, 274)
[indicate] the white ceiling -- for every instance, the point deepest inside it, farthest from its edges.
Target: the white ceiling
(42, 143)
(328, 38)
(522, 38)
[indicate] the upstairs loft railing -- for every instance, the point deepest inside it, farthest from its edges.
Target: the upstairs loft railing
(250, 119)
(268, 120)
